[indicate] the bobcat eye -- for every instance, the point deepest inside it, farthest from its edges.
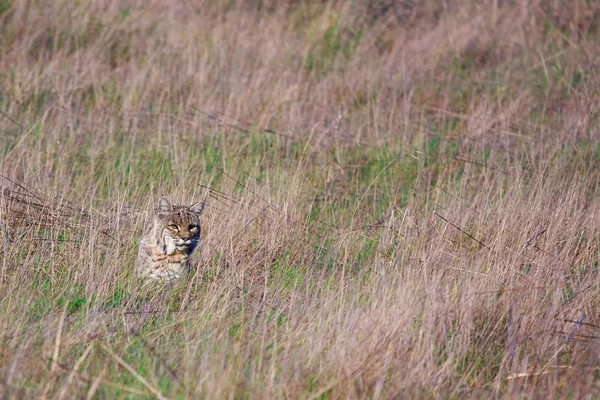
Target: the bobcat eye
(193, 228)
(173, 227)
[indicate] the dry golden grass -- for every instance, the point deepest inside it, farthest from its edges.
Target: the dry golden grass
(402, 198)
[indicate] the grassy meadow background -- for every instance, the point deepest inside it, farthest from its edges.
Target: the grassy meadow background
(402, 198)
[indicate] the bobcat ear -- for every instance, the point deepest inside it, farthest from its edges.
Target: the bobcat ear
(164, 206)
(197, 208)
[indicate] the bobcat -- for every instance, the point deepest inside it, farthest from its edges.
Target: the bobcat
(168, 243)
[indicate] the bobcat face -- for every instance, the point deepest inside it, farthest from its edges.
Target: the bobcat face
(178, 226)
(169, 241)
(177, 239)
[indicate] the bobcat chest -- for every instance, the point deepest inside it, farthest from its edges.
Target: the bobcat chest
(169, 267)
(174, 270)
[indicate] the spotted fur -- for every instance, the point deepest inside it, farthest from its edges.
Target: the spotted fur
(169, 241)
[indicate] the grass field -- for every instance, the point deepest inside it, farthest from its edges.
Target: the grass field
(402, 198)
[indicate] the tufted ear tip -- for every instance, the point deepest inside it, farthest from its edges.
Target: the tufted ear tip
(197, 208)
(164, 205)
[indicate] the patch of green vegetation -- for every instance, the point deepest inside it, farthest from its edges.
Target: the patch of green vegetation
(5, 5)
(335, 44)
(367, 250)
(235, 329)
(284, 275)
(75, 300)
(211, 153)
(8, 145)
(117, 298)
